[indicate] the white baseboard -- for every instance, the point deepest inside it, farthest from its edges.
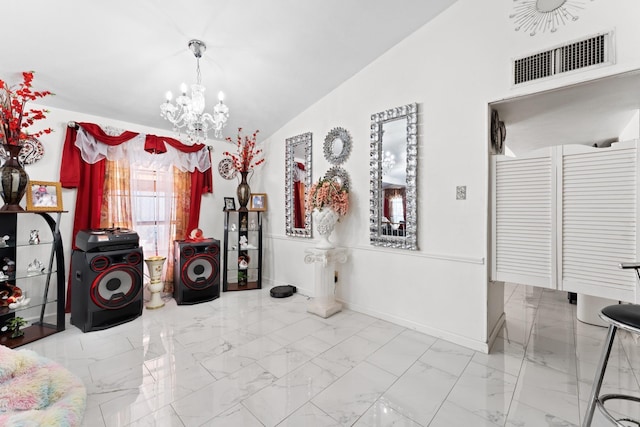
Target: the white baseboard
(480, 346)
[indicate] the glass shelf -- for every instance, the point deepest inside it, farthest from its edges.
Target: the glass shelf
(24, 243)
(34, 302)
(24, 274)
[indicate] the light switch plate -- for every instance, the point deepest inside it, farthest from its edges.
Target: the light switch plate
(461, 192)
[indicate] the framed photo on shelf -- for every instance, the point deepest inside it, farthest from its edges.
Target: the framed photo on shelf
(229, 204)
(258, 202)
(44, 196)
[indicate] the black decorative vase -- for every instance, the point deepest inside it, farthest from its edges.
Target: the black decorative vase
(243, 192)
(13, 180)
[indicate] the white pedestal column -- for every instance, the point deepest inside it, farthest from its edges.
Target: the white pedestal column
(324, 302)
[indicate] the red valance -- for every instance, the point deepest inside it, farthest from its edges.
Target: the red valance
(89, 178)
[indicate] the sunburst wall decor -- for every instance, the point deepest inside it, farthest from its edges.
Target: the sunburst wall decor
(535, 16)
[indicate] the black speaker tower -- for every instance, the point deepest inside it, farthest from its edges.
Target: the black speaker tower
(196, 271)
(106, 288)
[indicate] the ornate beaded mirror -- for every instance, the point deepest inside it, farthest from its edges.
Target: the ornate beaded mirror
(393, 167)
(297, 183)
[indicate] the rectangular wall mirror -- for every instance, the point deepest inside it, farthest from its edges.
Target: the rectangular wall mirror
(394, 160)
(298, 182)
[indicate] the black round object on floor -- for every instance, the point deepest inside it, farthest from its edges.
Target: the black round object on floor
(282, 291)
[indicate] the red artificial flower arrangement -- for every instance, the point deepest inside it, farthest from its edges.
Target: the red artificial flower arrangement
(246, 156)
(14, 118)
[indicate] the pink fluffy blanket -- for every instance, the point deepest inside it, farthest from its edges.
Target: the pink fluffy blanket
(35, 391)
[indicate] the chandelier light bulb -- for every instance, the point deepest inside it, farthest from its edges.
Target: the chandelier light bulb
(388, 162)
(188, 113)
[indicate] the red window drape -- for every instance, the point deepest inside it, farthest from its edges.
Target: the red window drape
(298, 200)
(89, 178)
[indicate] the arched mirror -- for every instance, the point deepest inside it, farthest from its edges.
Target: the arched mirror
(394, 162)
(337, 146)
(298, 181)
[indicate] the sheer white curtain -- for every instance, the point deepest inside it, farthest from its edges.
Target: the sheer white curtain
(152, 197)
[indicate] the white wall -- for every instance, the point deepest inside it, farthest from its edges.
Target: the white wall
(453, 67)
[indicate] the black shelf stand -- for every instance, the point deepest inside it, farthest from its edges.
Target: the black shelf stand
(40, 328)
(239, 225)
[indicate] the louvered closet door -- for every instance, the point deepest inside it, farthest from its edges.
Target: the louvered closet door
(523, 232)
(598, 223)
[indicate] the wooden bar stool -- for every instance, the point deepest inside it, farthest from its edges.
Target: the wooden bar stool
(627, 318)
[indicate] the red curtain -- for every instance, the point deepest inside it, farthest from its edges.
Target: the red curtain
(89, 178)
(385, 205)
(298, 200)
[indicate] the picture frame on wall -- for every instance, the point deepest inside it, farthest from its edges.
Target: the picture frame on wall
(258, 202)
(229, 204)
(44, 196)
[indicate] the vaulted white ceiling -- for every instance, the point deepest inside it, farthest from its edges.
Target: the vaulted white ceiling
(273, 59)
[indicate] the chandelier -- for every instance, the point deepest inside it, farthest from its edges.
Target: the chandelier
(187, 114)
(388, 162)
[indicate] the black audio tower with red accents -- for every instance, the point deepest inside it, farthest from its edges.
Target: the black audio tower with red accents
(196, 271)
(107, 279)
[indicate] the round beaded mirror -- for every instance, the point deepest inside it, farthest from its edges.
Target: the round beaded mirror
(337, 146)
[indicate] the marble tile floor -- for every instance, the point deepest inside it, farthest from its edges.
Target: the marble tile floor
(247, 359)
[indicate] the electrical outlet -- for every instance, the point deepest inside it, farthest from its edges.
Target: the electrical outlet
(461, 192)
(335, 277)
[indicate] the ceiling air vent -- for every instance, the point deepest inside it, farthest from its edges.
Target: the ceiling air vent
(589, 52)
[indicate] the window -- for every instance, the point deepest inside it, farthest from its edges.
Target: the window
(396, 209)
(154, 203)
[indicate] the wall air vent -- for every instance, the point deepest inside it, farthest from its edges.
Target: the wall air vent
(590, 52)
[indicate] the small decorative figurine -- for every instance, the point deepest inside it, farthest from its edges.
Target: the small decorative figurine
(20, 301)
(9, 294)
(252, 225)
(243, 223)
(195, 235)
(9, 265)
(34, 237)
(244, 243)
(3, 277)
(233, 227)
(243, 262)
(3, 241)
(35, 267)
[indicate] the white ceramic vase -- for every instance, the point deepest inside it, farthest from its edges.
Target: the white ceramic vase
(155, 264)
(325, 220)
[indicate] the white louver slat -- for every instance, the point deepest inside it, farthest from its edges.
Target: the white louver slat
(523, 230)
(599, 221)
(566, 218)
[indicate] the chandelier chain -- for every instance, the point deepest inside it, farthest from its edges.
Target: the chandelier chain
(198, 74)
